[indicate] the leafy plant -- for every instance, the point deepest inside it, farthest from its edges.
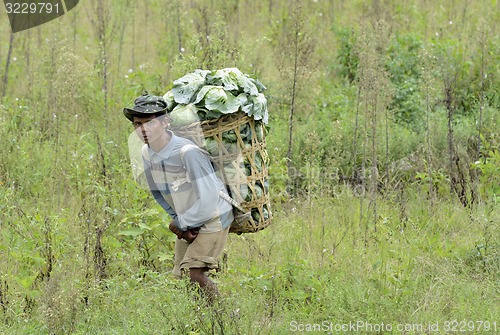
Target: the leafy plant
(489, 167)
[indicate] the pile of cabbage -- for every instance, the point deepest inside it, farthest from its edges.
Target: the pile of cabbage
(206, 95)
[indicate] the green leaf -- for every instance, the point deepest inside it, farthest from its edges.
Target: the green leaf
(260, 87)
(164, 257)
(169, 99)
(216, 98)
(232, 79)
(185, 88)
(227, 78)
(27, 281)
(259, 109)
(229, 136)
(134, 231)
(144, 226)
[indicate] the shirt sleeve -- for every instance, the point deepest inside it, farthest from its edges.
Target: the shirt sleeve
(157, 194)
(206, 185)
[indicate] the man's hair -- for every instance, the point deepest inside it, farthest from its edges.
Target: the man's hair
(160, 116)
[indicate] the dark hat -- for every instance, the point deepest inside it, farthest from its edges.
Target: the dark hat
(146, 105)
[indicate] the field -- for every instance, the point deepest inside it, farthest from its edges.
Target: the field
(385, 169)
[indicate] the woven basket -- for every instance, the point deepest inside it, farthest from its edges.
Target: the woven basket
(238, 165)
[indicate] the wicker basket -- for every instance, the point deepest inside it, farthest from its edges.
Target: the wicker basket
(242, 166)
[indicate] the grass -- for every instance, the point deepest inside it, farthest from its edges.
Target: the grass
(311, 267)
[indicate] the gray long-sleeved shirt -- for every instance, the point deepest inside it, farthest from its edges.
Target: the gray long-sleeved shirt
(186, 186)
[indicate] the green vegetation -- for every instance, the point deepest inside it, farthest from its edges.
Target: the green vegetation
(385, 168)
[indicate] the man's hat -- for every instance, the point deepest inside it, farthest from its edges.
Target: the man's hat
(146, 105)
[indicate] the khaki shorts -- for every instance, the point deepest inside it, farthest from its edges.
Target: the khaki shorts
(204, 252)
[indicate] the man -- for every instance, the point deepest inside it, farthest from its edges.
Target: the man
(183, 182)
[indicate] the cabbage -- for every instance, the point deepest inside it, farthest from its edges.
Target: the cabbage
(210, 145)
(206, 114)
(246, 132)
(234, 174)
(182, 115)
(254, 106)
(248, 85)
(234, 80)
(243, 99)
(231, 147)
(185, 88)
(245, 102)
(256, 215)
(227, 78)
(244, 192)
(257, 162)
(221, 92)
(259, 108)
(260, 87)
(169, 99)
(258, 192)
(216, 98)
(259, 131)
(229, 135)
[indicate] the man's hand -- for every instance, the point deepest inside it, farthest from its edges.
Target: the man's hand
(175, 230)
(189, 235)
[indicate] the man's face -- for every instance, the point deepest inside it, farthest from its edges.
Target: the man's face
(149, 129)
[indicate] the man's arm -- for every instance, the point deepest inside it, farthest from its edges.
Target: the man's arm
(189, 235)
(206, 186)
(157, 194)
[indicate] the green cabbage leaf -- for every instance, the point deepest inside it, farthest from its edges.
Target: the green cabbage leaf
(232, 79)
(227, 78)
(216, 98)
(186, 87)
(169, 99)
(255, 106)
